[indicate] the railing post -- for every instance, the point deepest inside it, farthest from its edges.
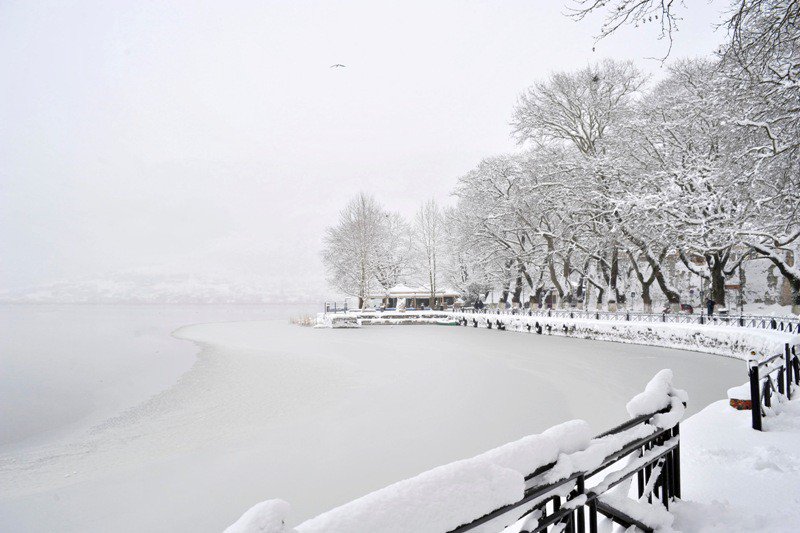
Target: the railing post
(666, 466)
(755, 396)
(788, 355)
(581, 519)
(796, 365)
(676, 462)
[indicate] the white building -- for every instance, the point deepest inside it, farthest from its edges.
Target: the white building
(415, 297)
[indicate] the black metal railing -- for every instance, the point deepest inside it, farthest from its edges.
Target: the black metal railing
(773, 375)
(656, 466)
(783, 324)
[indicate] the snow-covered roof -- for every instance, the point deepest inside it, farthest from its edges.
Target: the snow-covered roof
(404, 291)
(401, 289)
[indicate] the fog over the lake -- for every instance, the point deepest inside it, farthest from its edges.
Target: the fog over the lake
(212, 140)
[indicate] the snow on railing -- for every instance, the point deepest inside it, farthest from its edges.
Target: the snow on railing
(561, 477)
(776, 375)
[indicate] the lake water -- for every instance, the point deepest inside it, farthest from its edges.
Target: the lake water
(112, 424)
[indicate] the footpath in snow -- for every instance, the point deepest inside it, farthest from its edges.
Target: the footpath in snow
(736, 479)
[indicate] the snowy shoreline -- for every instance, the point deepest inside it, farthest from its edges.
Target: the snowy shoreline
(742, 343)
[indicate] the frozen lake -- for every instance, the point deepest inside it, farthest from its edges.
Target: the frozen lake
(110, 424)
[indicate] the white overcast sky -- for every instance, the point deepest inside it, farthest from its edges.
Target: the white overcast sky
(212, 137)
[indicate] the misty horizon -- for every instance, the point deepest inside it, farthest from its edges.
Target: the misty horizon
(153, 143)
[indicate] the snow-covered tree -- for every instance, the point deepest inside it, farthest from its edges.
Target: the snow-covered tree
(617, 181)
(465, 269)
(582, 110)
(696, 189)
(577, 107)
(392, 262)
(762, 64)
(774, 231)
(429, 246)
(352, 247)
(660, 14)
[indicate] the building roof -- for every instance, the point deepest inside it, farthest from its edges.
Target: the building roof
(404, 291)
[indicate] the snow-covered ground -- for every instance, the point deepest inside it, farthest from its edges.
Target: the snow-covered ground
(318, 417)
(735, 479)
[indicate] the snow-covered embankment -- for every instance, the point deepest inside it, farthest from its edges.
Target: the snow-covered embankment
(730, 341)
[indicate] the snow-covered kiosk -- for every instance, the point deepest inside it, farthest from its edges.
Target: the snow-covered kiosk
(417, 297)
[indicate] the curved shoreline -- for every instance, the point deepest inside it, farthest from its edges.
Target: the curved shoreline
(729, 341)
(267, 406)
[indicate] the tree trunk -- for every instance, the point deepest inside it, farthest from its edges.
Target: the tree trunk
(647, 301)
(612, 282)
(536, 297)
(673, 297)
(716, 269)
(506, 291)
(795, 284)
(515, 298)
(551, 266)
(568, 291)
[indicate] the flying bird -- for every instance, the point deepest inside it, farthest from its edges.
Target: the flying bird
(337, 65)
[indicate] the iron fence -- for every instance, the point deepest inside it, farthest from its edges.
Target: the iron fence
(655, 465)
(773, 375)
(783, 324)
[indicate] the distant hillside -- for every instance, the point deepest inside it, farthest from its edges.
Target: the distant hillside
(167, 290)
